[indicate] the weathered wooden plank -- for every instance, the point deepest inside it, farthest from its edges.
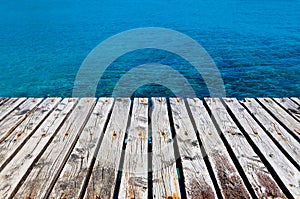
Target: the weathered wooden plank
(72, 178)
(227, 176)
(198, 183)
(287, 120)
(282, 136)
(286, 171)
(18, 137)
(134, 183)
(17, 169)
(33, 171)
(250, 162)
(104, 174)
(8, 124)
(296, 99)
(290, 106)
(2, 100)
(46, 170)
(165, 178)
(9, 106)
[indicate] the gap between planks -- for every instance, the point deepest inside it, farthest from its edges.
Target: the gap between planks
(167, 184)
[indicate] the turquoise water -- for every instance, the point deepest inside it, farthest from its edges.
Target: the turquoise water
(255, 44)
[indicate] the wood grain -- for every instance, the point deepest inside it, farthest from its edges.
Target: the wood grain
(104, 174)
(20, 165)
(165, 178)
(46, 170)
(286, 171)
(275, 130)
(72, 178)
(290, 106)
(73, 148)
(220, 160)
(286, 119)
(9, 106)
(23, 131)
(134, 183)
(251, 164)
(8, 124)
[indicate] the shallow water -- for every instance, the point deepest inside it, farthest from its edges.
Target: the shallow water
(255, 44)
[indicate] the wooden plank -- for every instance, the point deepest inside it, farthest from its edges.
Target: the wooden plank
(220, 160)
(134, 183)
(286, 171)
(198, 183)
(9, 106)
(19, 167)
(104, 174)
(165, 178)
(43, 175)
(287, 120)
(8, 124)
(296, 99)
(3, 100)
(290, 106)
(71, 180)
(250, 162)
(18, 137)
(283, 137)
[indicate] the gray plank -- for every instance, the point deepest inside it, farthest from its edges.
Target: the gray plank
(286, 119)
(282, 136)
(18, 136)
(72, 178)
(134, 183)
(8, 124)
(17, 168)
(296, 99)
(9, 106)
(220, 160)
(165, 179)
(3, 100)
(286, 171)
(290, 106)
(104, 174)
(198, 183)
(250, 162)
(46, 170)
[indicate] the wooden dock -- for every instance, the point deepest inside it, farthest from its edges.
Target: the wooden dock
(149, 148)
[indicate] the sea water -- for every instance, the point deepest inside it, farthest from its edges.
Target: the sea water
(254, 43)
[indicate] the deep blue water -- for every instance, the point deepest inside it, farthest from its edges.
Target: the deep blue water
(254, 43)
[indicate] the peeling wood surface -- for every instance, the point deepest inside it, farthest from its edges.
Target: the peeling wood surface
(134, 182)
(165, 178)
(71, 180)
(18, 137)
(286, 171)
(227, 176)
(279, 133)
(41, 178)
(72, 148)
(286, 119)
(104, 174)
(290, 106)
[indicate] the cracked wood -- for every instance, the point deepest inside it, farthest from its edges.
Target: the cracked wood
(104, 174)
